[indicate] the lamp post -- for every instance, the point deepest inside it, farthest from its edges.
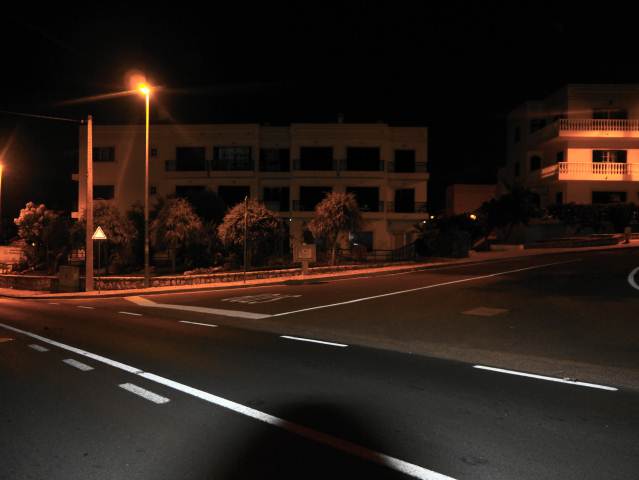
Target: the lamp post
(145, 90)
(1, 224)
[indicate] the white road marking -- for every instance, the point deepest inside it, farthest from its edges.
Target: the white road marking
(314, 341)
(131, 313)
(145, 302)
(53, 303)
(484, 311)
(146, 394)
(308, 433)
(632, 280)
(38, 348)
(88, 308)
(543, 377)
(79, 365)
(262, 298)
(198, 323)
(417, 289)
(5, 339)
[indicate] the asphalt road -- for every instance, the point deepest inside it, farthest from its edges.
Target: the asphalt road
(226, 396)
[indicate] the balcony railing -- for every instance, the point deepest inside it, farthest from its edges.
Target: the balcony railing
(303, 206)
(357, 166)
(593, 171)
(598, 124)
(417, 167)
(191, 166)
(233, 165)
(315, 165)
(372, 207)
(406, 207)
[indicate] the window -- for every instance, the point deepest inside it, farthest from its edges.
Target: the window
(316, 158)
(275, 160)
(187, 191)
(517, 134)
(535, 163)
(311, 196)
(610, 113)
(231, 195)
(560, 156)
(232, 158)
(559, 198)
(609, 156)
(189, 159)
(277, 198)
(103, 192)
(405, 200)
(404, 161)
(537, 124)
(104, 154)
(362, 238)
(516, 169)
(363, 158)
(608, 197)
(367, 198)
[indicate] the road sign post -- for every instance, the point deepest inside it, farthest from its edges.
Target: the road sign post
(305, 253)
(99, 235)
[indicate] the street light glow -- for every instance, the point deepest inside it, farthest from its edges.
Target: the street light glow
(144, 89)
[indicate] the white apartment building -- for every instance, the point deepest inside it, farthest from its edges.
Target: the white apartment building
(289, 168)
(580, 144)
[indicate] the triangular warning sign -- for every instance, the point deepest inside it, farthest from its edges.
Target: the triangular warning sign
(99, 234)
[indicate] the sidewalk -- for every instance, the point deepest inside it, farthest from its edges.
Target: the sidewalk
(475, 257)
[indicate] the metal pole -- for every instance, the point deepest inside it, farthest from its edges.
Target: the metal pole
(245, 234)
(146, 199)
(99, 261)
(88, 241)
(1, 223)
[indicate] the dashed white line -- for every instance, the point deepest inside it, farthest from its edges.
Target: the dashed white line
(131, 313)
(292, 427)
(88, 308)
(301, 339)
(146, 394)
(38, 348)
(53, 303)
(543, 377)
(79, 365)
(198, 323)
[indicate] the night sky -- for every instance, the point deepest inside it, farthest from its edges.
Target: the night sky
(453, 66)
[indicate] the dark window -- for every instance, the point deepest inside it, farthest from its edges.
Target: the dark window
(537, 124)
(535, 163)
(103, 192)
(277, 198)
(559, 198)
(189, 159)
(316, 158)
(362, 158)
(609, 156)
(517, 169)
(367, 198)
(231, 195)
(187, 191)
(560, 156)
(405, 200)
(104, 154)
(362, 238)
(275, 160)
(610, 113)
(404, 161)
(608, 197)
(232, 158)
(517, 134)
(311, 196)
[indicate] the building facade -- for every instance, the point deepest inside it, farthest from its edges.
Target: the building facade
(467, 198)
(580, 144)
(289, 168)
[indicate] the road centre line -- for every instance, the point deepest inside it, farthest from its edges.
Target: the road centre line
(79, 365)
(543, 377)
(198, 323)
(146, 394)
(452, 282)
(38, 348)
(323, 438)
(313, 341)
(131, 313)
(143, 302)
(88, 308)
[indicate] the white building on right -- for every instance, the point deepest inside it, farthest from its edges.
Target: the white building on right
(580, 145)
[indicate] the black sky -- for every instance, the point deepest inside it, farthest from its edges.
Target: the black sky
(456, 67)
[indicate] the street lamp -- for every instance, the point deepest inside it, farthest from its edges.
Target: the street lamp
(145, 90)
(1, 231)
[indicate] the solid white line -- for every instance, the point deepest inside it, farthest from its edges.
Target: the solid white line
(543, 377)
(146, 394)
(198, 323)
(145, 302)
(314, 341)
(88, 308)
(452, 282)
(131, 313)
(38, 348)
(79, 365)
(308, 433)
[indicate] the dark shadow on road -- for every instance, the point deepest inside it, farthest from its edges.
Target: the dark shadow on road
(279, 454)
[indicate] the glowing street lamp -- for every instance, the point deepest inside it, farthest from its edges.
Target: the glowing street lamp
(145, 90)
(1, 232)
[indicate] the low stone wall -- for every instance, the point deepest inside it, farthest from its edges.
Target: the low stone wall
(43, 283)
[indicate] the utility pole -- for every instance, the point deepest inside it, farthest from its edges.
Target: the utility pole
(88, 248)
(147, 281)
(245, 234)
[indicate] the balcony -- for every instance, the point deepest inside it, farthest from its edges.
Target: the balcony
(416, 167)
(406, 207)
(236, 165)
(361, 166)
(608, 171)
(326, 165)
(588, 128)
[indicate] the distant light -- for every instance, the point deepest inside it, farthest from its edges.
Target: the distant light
(423, 221)
(290, 219)
(472, 216)
(432, 217)
(144, 88)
